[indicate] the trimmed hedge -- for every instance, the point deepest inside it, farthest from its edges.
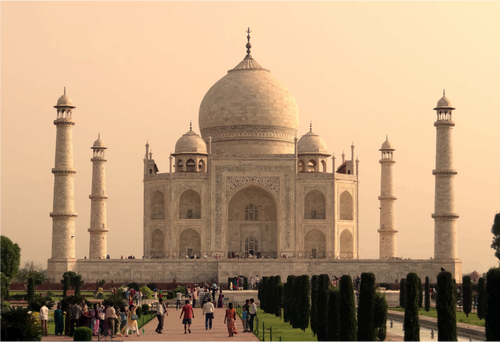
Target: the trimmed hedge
(138, 311)
(82, 334)
(145, 309)
(287, 299)
(481, 298)
(333, 331)
(281, 290)
(446, 303)
(269, 295)
(420, 296)
(314, 304)
(66, 285)
(304, 301)
(467, 295)
(30, 295)
(402, 293)
(322, 305)
(427, 294)
(347, 310)
(411, 320)
(366, 329)
(380, 308)
(263, 293)
(492, 318)
(278, 298)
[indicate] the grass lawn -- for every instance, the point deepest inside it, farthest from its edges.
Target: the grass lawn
(472, 319)
(280, 329)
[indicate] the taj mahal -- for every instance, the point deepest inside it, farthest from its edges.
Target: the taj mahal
(249, 194)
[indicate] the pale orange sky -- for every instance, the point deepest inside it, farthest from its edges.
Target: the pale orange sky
(358, 70)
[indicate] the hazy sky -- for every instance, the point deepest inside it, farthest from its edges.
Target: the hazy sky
(358, 70)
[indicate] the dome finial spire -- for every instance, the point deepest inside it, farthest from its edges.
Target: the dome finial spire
(248, 46)
(311, 126)
(387, 137)
(444, 92)
(190, 125)
(64, 90)
(98, 135)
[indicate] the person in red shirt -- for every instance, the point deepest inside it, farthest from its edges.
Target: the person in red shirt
(187, 311)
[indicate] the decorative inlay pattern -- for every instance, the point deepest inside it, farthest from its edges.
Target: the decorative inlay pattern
(244, 132)
(251, 156)
(270, 183)
(218, 196)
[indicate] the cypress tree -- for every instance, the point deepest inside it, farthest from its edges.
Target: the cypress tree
(333, 331)
(288, 299)
(427, 294)
(420, 296)
(263, 294)
(296, 304)
(380, 316)
(305, 302)
(271, 300)
(79, 284)
(467, 294)
(445, 306)
(347, 310)
(411, 321)
(277, 297)
(322, 306)
(314, 304)
(481, 298)
(492, 317)
(65, 285)
(366, 329)
(31, 290)
(402, 293)
(281, 290)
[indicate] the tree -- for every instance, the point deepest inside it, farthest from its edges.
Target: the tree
(281, 290)
(263, 293)
(402, 293)
(495, 230)
(366, 329)
(74, 280)
(380, 308)
(333, 331)
(481, 298)
(420, 296)
(79, 283)
(270, 307)
(296, 305)
(411, 320)
(446, 307)
(493, 305)
(287, 299)
(10, 260)
(427, 294)
(347, 310)
(322, 306)
(314, 304)
(304, 303)
(66, 284)
(5, 286)
(245, 283)
(278, 298)
(33, 270)
(467, 294)
(31, 289)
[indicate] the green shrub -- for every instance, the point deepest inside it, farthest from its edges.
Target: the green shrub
(170, 295)
(333, 330)
(322, 304)
(492, 317)
(102, 282)
(314, 304)
(38, 301)
(82, 334)
(152, 286)
(19, 325)
(446, 308)
(146, 292)
(31, 290)
(380, 308)
(138, 311)
(134, 286)
(181, 289)
(402, 293)
(467, 295)
(145, 309)
(411, 319)
(366, 329)
(481, 298)
(427, 295)
(347, 310)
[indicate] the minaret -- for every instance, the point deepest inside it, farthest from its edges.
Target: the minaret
(98, 228)
(387, 229)
(445, 218)
(63, 212)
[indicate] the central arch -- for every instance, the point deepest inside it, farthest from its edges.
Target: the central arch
(252, 212)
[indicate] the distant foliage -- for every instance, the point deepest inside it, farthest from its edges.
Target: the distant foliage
(288, 299)
(495, 230)
(134, 286)
(31, 290)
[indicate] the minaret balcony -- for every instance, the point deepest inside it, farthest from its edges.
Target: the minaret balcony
(445, 216)
(68, 171)
(445, 172)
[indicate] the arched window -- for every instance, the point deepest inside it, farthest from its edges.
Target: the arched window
(150, 171)
(179, 165)
(251, 246)
(346, 244)
(311, 166)
(251, 213)
(190, 166)
(323, 164)
(157, 244)
(314, 206)
(346, 206)
(190, 243)
(315, 244)
(190, 205)
(301, 166)
(201, 166)
(158, 206)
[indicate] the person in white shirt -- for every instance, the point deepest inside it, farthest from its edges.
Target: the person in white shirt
(253, 313)
(161, 311)
(44, 317)
(208, 310)
(178, 303)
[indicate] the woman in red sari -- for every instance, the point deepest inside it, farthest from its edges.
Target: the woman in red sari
(231, 320)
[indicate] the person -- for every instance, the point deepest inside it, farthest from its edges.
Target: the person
(208, 310)
(251, 282)
(155, 290)
(244, 314)
(123, 320)
(44, 318)
(194, 294)
(86, 315)
(161, 310)
(95, 320)
(127, 293)
(76, 313)
(231, 286)
(220, 302)
(253, 313)
(137, 297)
(214, 290)
(230, 318)
(100, 292)
(178, 302)
(132, 320)
(110, 318)
(59, 321)
(187, 311)
(257, 282)
(102, 318)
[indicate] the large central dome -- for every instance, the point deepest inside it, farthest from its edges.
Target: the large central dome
(249, 111)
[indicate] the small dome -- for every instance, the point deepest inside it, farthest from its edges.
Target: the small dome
(65, 101)
(99, 144)
(311, 143)
(387, 145)
(190, 143)
(444, 103)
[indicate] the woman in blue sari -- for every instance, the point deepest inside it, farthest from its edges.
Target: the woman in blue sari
(59, 320)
